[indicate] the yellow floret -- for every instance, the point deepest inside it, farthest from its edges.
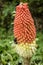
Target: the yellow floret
(26, 50)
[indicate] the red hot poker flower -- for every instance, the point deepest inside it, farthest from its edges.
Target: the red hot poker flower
(24, 29)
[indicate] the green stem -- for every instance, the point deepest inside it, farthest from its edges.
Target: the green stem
(26, 61)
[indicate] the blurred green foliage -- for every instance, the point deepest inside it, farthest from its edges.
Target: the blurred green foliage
(8, 55)
(37, 59)
(8, 6)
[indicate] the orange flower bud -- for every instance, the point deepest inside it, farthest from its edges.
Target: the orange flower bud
(24, 29)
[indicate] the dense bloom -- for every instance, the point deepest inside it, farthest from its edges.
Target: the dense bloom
(26, 50)
(24, 28)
